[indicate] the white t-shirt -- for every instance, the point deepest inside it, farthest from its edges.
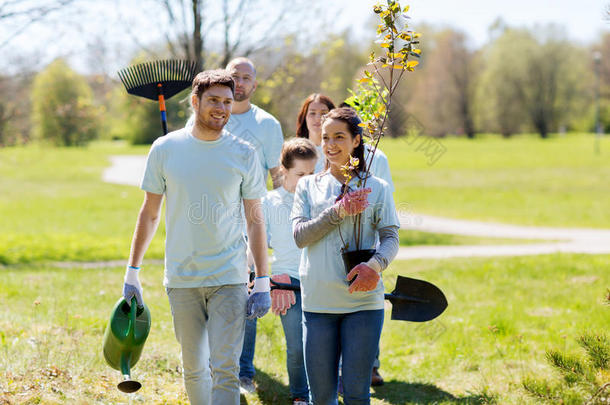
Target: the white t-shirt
(277, 206)
(324, 287)
(205, 183)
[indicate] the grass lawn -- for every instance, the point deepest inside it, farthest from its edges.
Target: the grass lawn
(503, 314)
(524, 180)
(54, 205)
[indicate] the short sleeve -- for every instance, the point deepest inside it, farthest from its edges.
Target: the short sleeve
(385, 210)
(154, 178)
(300, 206)
(274, 149)
(381, 169)
(253, 184)
(380, 166)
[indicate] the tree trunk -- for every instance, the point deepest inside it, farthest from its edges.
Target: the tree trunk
(197, 37)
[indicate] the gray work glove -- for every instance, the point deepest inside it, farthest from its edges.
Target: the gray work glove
(259, 301)
(132, 287)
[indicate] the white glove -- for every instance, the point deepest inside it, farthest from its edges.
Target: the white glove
(132, 287)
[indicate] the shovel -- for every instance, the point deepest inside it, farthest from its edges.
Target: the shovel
(412, 300)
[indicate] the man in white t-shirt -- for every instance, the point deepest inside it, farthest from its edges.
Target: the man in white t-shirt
(207, 176)
(259, 128)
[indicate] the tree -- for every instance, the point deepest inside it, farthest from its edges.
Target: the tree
(62, 106)
(498, 97)
(287, 76)
(603, 47)
(549, 83)
(21, 14)
(444, 93)
(242, 28)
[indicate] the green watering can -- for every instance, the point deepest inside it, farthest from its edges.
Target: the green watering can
(124, 340)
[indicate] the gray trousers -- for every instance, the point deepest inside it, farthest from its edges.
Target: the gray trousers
(209, 325)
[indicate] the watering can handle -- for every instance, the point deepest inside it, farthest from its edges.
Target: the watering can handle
(132, 318)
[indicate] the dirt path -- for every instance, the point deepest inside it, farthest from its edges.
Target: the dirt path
(128, 170)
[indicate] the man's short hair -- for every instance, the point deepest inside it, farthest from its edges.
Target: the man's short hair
(240, 60)
(208, 78)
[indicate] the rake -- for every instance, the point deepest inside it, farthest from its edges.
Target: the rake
(159, 80)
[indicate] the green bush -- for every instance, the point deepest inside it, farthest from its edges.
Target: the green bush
(582, 380)
(62, 107)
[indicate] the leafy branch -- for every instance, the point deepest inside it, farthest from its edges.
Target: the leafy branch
(372, 98)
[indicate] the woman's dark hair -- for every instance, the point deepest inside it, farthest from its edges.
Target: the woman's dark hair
(350, 117)
(208, 78)
(297, 148)
(302, 131)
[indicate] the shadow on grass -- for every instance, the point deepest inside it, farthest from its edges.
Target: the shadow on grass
(270, 391)
(398, 392)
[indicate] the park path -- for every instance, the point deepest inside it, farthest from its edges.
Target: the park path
(128, 170)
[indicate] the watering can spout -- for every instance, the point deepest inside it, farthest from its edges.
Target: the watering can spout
(124, 340)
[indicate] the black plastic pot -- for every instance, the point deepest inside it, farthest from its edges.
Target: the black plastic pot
(352, 259)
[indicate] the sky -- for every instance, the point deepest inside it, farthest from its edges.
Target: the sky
(583, 20)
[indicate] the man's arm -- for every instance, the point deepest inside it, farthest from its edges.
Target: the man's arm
(257, 237)
(259, 301)
(276, 177)
(146, 226)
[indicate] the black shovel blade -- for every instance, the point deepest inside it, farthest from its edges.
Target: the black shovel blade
(416, 300)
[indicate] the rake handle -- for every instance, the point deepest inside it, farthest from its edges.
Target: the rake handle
(162, 109)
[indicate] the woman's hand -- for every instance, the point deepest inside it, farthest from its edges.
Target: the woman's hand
(354, 202)
(281, 300)
(366, 278)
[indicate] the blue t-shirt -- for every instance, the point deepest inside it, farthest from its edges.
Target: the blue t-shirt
(277, 206)
(323, 284)
(205, 183)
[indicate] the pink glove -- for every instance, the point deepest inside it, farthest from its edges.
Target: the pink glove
(366, 278)
(281, 300)
(354, 202)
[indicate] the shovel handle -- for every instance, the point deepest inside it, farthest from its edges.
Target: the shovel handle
(402, 297)
(284, 286)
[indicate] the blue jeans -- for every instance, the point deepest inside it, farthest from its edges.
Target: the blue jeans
(295, 363)
(354, 337)
(246, 360)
